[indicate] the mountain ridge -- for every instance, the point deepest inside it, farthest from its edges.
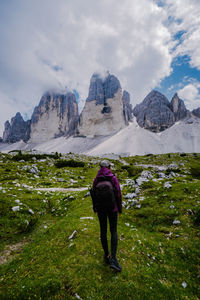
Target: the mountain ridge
(107, 111)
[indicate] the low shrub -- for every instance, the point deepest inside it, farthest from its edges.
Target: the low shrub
(132, 171)
(29, 156)
(183, 154)
(175, 170)
(195, 170)
(197, 218)
(69, 163)
(147, 185)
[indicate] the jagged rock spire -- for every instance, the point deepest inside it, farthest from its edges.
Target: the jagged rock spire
(103, 88)
(102, 114)
(16, 130)
(178, 108)
(128, 115)
(56, 115)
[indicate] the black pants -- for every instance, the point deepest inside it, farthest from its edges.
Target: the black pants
(112, 216)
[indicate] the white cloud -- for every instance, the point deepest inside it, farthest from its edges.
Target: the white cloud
(7, 109)
(186, 14)
(79, 38)
(191, 95)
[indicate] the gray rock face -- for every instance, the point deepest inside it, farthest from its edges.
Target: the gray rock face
(127, 107)
(16, 130)
(56, 115)
(154, 113)
(178, 108)
(103, 113)
(101, 89)
(196, 112)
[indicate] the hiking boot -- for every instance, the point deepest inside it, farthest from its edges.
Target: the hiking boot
(115, 265)
(107, 259)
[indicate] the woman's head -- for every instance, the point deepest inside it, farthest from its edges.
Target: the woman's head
(105, 163)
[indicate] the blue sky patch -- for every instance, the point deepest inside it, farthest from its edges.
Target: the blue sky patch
(181, 75)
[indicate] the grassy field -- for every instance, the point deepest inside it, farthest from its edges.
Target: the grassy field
(50, 247)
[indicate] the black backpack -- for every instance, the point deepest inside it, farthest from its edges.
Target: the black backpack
(104, 194)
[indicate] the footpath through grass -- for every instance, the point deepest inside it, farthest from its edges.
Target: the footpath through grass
(60, 255)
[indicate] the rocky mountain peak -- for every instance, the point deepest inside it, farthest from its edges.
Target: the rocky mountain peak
(178, 108)
(154, 112)
(16, 130)
(102, 89)
(56, 115)
(196, 112)
(103, 113)
(156, 97)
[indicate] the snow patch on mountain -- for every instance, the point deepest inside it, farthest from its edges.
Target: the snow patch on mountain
(183, 136)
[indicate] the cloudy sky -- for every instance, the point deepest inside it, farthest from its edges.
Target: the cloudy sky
(147, 44)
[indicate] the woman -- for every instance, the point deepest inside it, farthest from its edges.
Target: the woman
(105, 175)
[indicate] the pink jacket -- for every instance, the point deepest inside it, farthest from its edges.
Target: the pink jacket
(106, 172)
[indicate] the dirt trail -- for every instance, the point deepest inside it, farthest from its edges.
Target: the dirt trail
(80, 189)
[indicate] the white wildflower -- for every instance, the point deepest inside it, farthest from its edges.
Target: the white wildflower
(83, 229)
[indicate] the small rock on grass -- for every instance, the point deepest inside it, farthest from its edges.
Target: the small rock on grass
(184, 284)
(15, 208)
(176, 222)
(167, 185)
(72, 235)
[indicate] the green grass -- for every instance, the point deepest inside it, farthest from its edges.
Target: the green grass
(157, 256)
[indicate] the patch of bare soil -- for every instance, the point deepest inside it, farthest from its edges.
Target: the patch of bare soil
(10, 252)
